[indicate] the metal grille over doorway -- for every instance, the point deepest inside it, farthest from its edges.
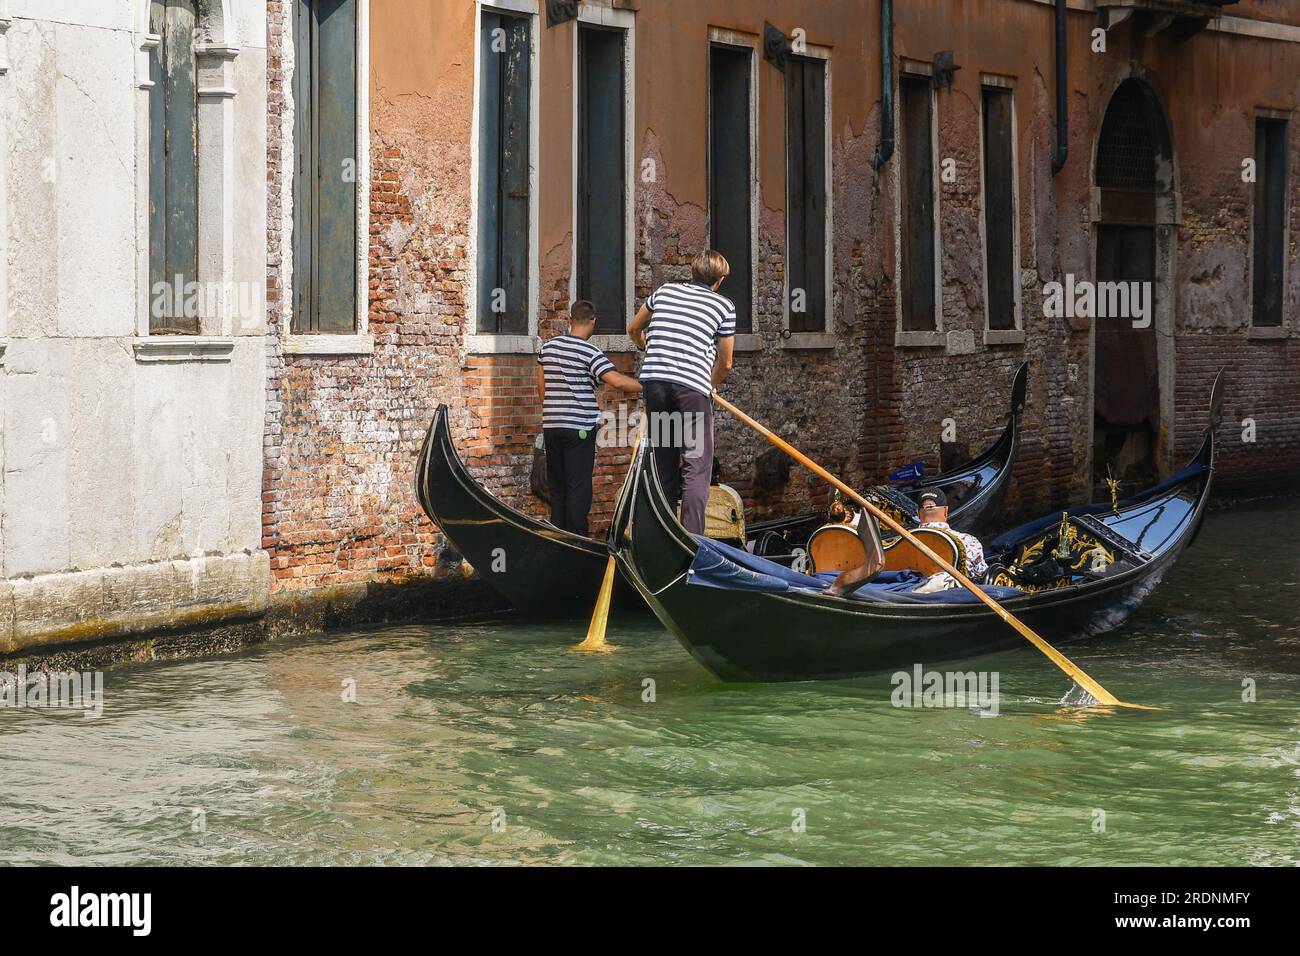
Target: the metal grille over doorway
(1126, 150)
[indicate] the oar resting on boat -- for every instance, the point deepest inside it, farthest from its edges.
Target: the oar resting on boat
(545, 572)
(759, 620)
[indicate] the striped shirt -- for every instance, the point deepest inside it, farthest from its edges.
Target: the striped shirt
(686, 321)
(573, 367)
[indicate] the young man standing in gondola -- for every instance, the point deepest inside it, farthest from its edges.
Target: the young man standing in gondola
(688, 331)
(569, 368)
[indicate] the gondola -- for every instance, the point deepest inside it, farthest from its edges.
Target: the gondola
(974, 491)
(540, 569)
(546, 572)
(749, 619)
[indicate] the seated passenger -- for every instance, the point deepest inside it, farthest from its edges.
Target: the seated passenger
(933, 512)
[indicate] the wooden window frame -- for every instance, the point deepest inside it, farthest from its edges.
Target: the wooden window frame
(918, 338)
(1281, 330)
(743, 42)
(825, 339)
(359, 341)
(215, 92)
(624, 20)
(496, 343)
(1016, 334)
(163, 135)
(5, 91)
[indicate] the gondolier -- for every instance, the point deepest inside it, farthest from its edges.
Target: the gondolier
(688, 332)
(569, 368)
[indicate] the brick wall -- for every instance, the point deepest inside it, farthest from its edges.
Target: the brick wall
(342, 431)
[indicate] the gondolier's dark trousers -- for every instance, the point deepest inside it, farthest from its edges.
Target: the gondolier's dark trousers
(569, 460)
(683, 446)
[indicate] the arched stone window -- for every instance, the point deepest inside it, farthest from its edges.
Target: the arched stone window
(1132, 150)
(1135, 233)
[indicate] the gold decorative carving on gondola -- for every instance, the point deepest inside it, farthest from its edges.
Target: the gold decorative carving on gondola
(891, 502)
(1073, 551)
(1112, 483)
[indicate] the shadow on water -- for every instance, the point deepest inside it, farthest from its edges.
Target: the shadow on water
(496, 743)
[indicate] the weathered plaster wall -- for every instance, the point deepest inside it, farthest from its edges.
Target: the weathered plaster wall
(130, 486)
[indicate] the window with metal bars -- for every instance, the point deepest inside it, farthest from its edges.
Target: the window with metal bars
(1127, 147)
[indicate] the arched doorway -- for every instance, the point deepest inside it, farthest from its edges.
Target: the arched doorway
(1134, 232)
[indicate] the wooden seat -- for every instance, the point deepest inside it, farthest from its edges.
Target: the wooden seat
(902, 555)
(836, 547)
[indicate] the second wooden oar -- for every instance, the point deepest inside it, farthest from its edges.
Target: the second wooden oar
(1071, 669)
(595, 640)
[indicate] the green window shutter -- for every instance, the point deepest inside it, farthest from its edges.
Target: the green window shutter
(1269, 221)
(326, 166)
(602, 243)
(814, 186)
(336, 147)
(173, 168)
(730, 174)
(504, 171)
(805, 103)
(918, 205)
(999, 212)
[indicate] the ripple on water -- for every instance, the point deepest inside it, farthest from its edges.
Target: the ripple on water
(255, 758)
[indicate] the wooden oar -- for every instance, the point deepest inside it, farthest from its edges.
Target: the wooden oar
(1071, 669)
(595, 640)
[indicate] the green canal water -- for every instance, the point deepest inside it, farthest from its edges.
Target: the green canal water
(495, 743)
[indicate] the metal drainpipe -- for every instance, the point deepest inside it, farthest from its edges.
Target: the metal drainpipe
(1062, 93)
(886, 147)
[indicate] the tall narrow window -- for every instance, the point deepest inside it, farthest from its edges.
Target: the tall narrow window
(173, 168)
(1270, 221)
(602, 237)
(731, 173)
(504, 173)
(999, 209)
(918, 286)
(805, 192)
(325, 172)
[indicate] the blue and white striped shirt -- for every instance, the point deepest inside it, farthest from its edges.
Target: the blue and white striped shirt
(687, 319)
(573, 368)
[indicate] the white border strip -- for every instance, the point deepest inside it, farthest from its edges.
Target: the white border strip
(624, 20)
(487, 343)
(825, 339)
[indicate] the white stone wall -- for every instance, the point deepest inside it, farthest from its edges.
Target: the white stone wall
(131, 465)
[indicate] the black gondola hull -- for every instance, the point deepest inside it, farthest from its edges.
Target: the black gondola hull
(799, 635)
(548, 573)
(540, 570)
